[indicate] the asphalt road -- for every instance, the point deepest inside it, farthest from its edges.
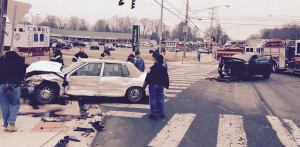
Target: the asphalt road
(260, 112)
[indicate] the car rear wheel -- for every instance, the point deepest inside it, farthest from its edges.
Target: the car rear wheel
(45, 94)
(267, 76)
(274, 67)
(134, 94)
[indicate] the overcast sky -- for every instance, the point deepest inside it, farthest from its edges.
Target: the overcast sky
(242, 18)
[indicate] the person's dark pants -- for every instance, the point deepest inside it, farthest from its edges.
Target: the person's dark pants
(10, 104)
(157, 99)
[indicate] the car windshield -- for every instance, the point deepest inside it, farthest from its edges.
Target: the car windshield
(245, 57)
(72, 66)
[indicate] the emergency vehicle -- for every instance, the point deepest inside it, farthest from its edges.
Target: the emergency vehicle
(231, 48)
(32, 41)
(285, 54)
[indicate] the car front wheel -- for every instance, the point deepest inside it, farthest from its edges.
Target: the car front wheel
(274, 67)
(45, 94)
(134, 94)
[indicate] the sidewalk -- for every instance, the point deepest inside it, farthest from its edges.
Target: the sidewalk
(35, 132)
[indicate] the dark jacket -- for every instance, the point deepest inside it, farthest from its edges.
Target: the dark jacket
(12, 68)
(57, 57)
(140, 64)
(79, 55)
(158, 75)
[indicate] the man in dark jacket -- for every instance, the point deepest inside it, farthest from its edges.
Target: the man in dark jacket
(105, 54)
(154, 54)
(139, 62)
(157, 78)
(12, 72)
(80, 55)
(57, 56)
(130, 58)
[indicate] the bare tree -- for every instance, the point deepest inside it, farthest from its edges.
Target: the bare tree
(145, 22)
(113, 23)
(100, 26)
(62, 23)
(50, 21)
(73, 23)
(83, 25)
(129, 22)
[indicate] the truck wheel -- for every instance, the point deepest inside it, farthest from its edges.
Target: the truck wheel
(274, 67)
(45, 94)
(134, 94)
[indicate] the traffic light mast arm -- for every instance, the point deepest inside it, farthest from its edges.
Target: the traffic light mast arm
(133, 4)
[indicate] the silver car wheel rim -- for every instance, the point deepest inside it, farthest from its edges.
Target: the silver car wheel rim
(135, 95)
(45, 95)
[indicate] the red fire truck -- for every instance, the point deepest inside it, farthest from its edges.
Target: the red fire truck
(32, 41)
(231, 48)
(285, 54)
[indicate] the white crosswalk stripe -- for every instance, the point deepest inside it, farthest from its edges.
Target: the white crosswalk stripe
(170, 95)
(231, 131)
(173, 132)
(284, 136)
(177, 87)
(173, 91)
(179, 84)
(189, 82)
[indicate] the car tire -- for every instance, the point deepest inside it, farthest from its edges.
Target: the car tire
(45, 94)
(134, 94)
(267, 76)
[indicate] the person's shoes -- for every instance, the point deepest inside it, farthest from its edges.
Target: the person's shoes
(162, 116)
(152, 116)
(11, 128)
(6, 130)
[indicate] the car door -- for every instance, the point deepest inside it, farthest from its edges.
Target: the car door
(263, 64)
(85, 81)
(115, 80)
(253, 67)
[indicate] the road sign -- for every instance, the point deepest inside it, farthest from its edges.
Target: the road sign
(20, 8)
(135, 38)
(185, 28)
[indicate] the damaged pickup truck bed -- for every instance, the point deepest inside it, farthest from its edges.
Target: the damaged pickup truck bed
(245, 65)
(86, 78)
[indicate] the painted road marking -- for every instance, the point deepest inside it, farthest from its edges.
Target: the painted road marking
(138, 106)
(183, 79)
(173, 91)
(231, 131)
(294, 130)
(188, 82)
(179, 84)
(170, 95)
(126, 114)
(173, 132)
(176, 87)
(284, 136)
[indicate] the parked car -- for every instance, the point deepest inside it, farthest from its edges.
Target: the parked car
(245, 65)
(109, 47)
(102, 43)
(78, 43)
(86, 78)
(59, 42)
(67, 45)
(120, 45)
(128, 45)
(205, 51)
(94, 45)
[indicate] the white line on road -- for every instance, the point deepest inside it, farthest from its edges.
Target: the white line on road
(173, 91)
(177, 87)
(294, 130)
(231, 131)
(284, 136)
(170, 95)
(188, 82)
(179, 84)
(126, 114)
(138, 106)
(173, 132)
(183, 79)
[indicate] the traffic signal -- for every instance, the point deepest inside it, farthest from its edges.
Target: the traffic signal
(132, 4)
(121, 3)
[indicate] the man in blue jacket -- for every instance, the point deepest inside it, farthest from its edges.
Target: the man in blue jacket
(12, 72)
(139, 62)
(157, 78)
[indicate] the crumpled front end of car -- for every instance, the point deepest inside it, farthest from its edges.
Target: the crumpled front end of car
(232, 67)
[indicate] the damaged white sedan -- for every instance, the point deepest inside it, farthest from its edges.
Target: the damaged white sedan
(91, 77)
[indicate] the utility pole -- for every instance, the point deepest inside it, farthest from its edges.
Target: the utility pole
(211, 29)
(161, 26)
(186, 27)
(3, 12)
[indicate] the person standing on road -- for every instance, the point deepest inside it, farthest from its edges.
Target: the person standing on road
(157, 78)
(154, 54)
(139, 62)
(57, 56)
(80, 55)
(105, 54)
(12, 73)
(130, 58)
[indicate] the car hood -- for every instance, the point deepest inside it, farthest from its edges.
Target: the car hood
(44, 66)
